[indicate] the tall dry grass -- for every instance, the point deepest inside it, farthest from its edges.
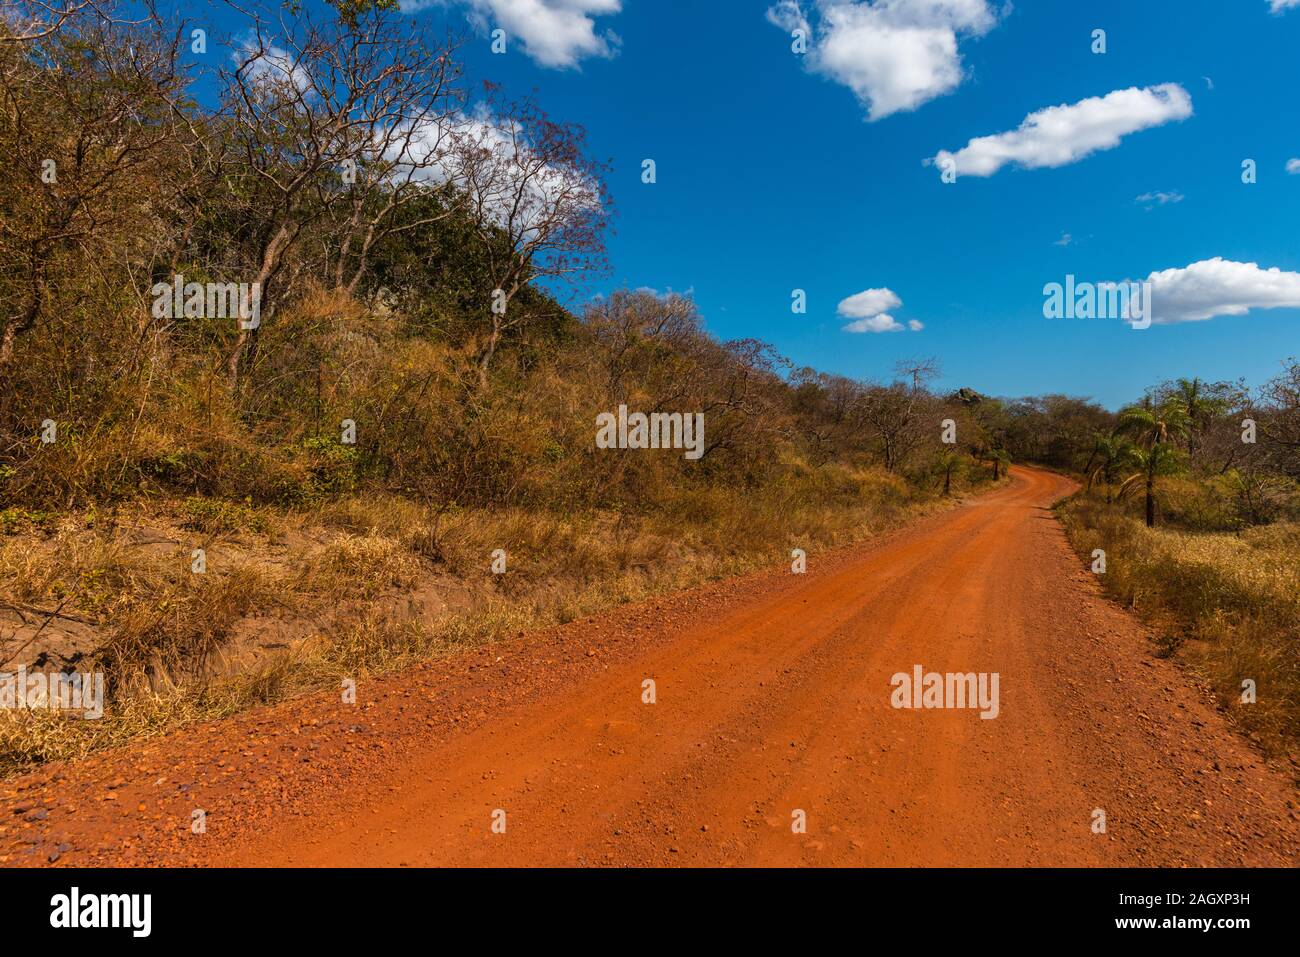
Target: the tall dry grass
(345, 565)
(1227, 604)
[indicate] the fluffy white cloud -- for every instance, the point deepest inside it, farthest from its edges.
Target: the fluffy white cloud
(1060, 135)
(1277, 6)
(869, 302)
(1220, 287)
(555, 33)
(1293, 164)
(893, 54)
(880, 323)
(867, 310)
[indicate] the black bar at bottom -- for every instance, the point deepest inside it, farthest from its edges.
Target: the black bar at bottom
(369, 907)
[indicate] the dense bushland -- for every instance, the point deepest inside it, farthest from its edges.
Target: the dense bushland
(410, 243)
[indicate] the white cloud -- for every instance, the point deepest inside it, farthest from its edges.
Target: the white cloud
(788, 15)
(1065, 240)
(1220, 287)
(1277, 6)
(269, 66)
(893, 54)
(880, 323)
(490, 157)
(1159, 198)
(1293, 164)
(1064, 134)
(555, 33)
(867, 310)
(869, 302)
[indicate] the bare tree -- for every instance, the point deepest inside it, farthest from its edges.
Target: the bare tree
(897, 415)
(1280, 427)
(22, 21)
(404, 155)
(643, 337)
(351, 114)
(538, 204)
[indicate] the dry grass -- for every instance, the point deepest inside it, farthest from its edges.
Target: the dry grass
(346, 567)
(1226, 604)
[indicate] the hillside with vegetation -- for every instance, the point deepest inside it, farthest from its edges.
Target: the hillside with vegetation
(413, 406)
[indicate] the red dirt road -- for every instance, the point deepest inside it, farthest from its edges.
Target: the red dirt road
(772, 697)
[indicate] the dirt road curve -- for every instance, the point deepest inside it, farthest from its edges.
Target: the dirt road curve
(772, 696)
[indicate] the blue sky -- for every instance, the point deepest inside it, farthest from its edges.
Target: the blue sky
(770, 176)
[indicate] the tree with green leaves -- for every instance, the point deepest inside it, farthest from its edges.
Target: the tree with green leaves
(1001, 459)
(1151, 463)
(946, 463)
(1202, 402)
(1110, 452)
(1155, 424)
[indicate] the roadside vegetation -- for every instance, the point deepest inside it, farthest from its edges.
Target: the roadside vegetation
(217, 512)
(1193, 493)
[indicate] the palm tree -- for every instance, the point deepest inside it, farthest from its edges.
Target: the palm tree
(1110, 452)
(1201, 406)
(1154, 424)
(1160, 459)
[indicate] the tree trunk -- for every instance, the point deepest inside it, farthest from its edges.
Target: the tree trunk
(486, 361)
(246, 345)
(25, 320)
(1151, 499)
(11, 331)
(363, 257)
